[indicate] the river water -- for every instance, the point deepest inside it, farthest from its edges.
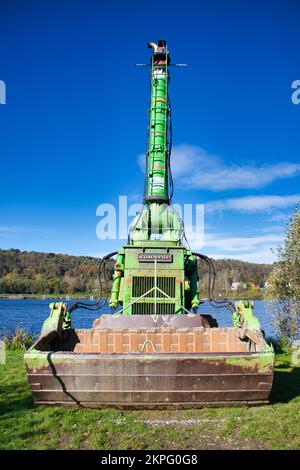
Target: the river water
(30, 314)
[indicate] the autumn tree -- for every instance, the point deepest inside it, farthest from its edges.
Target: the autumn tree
(283, 289)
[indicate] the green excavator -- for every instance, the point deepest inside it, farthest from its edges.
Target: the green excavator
(154, 349)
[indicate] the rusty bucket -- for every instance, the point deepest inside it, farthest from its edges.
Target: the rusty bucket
(140, 363)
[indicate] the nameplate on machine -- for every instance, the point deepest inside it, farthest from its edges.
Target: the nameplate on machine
(159, 257)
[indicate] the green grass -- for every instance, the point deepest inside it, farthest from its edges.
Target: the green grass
(23, 426)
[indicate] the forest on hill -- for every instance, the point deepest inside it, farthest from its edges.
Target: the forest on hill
(23, 272)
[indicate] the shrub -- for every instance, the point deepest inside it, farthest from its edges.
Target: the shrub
(19, 339)
(282, 294)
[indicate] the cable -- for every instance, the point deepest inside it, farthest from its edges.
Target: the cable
(93, 307)
(211, 270)
(211, 284)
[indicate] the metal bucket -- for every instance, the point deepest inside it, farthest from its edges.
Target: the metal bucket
(138, 365)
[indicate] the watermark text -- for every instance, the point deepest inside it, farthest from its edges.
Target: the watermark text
(2, 92)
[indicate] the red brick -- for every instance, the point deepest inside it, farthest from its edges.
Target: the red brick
(206, 336)
(241, 346)
(95, 338)
(134, 341)
(223, 336)
(174, 338)
(88, 341)
(190, 337)
(126, 337)
(214, 340)
(110, 336)
(182, 346)
(193, 340)
(142, 336)
(166, 336)
(118, 341)
(158, 338)
(231, 332)
(103, 341)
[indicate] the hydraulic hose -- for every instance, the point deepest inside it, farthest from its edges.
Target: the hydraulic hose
(211, 284)
(95, 306)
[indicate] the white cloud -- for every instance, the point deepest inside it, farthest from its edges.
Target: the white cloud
(238, 244)
(253, 203)
(271, 229)
(194, 168)
(280, 217)
(233, 243)
(264, 256)
(257, 249)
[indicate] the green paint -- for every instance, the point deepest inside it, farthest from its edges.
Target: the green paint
(59, 319)
(258, 362)
(158, 228)
(36, 360)
(244, 318)
(157, 152)
(244, 314)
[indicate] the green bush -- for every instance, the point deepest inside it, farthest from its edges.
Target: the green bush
(19, 339)
(282, 294)
(281, 345)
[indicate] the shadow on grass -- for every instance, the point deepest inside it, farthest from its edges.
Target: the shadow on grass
(15, 399)
(286, 384)
(17, 405)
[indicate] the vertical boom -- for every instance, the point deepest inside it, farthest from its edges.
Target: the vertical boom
(156, 187)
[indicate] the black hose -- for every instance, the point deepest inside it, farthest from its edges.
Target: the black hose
(93, 307)
(211, 284)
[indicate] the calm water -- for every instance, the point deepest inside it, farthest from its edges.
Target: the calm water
(30, 314)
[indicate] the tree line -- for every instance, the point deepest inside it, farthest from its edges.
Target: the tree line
(47, 273)
(23, 272)
(249, 276)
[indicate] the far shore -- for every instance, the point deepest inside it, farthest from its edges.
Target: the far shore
(46, 297)
(235, 295)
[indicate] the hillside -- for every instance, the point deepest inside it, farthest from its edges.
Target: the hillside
(251, 276)
(49, 273)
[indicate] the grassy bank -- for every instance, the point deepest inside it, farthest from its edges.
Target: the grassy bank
(22, 426)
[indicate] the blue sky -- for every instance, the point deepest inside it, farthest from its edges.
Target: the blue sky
(74, 122)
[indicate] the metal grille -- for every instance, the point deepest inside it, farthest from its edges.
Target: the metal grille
(141, 284)
(141, 308)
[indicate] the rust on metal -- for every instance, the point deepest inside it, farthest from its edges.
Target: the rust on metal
(142, 362)
(147, 381)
